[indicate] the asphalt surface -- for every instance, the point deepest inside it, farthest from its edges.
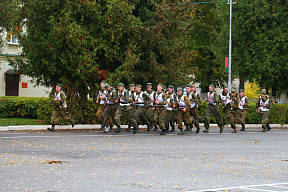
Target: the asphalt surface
(94, 161)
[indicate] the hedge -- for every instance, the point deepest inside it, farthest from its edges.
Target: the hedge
(37, 108)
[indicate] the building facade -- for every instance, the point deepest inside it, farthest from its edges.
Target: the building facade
(12, 83)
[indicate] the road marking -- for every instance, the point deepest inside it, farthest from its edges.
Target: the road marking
(250, 187)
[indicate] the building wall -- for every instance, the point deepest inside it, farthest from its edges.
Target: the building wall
(13, 51)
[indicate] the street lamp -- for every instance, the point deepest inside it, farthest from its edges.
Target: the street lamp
(230, 45)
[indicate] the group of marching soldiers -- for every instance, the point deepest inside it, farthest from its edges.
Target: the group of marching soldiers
(163, 108)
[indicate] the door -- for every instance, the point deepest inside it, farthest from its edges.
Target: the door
(12, 85)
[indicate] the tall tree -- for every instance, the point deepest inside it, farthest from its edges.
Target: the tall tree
(259, 41)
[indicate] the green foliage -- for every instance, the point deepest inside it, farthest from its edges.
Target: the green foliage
(259, 31)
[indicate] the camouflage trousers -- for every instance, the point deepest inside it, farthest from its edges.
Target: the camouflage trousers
(108, 115)
(64, 114)
(168, 118)
(234, 117)
(149, 114)
(99, 115)
(194, 114)
(226, 112)
(212, 110)
(174, 115)
(183, 116)
(160, 116)
(133, 109)
(140, 114)
(264, 118)
(127, 111)
(243, 115)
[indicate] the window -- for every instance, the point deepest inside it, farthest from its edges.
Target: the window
(13, 40)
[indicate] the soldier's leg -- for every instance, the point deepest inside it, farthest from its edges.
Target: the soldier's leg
(99, 113)
(162, 117)
(217, 117)
(54, 118)
(243, 116)
(131, 118)
(264, 121)
(66, 116)
(106, 117)
(187, 118)
(207, 119)
(232, 120)
(168, 119)
(180, 118)
(149, 115)
(117, 118)
(196, 119)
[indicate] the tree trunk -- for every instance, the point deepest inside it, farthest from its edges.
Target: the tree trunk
(274, 93)
(283, 97)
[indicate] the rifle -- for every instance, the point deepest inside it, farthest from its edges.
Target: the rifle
(49, 102)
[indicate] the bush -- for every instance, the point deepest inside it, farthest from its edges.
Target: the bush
(85, 113)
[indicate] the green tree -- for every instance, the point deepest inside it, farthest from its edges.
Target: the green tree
(7, 10)
(259, 41)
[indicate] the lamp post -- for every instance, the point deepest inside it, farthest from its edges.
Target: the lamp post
(230, 45)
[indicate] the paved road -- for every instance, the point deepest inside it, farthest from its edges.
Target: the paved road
(93, 161)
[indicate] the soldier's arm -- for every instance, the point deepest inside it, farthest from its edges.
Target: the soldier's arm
(164, 99)
(187, 102)
(194, 98)
(247, 104)
(269, 104)
(146, 98)
(126, 96)
(63, 97)
(216, 98)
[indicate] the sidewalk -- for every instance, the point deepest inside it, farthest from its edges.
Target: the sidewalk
(97, 126)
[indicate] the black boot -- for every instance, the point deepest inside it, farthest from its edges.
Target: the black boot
(72, 122)
(243, 127)
(135, 129)
(118, 130)
(128, 129)
(268, 127)
(52, 128)
(198, 130)
(149, 126)
(163, 132)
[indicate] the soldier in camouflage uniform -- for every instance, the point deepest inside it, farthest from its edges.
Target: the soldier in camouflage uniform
(101, 100)
(243, 108)
(212, 109)
(188, 92)
(234, 112)
(194, 99)
(124, 108)
(223, 98)
(160, 108)
(109, 106)
(169, 112)
(173, 97)
(140, 101)
(149, 114)
(183, 104)
(263, 106)
(133, 108)
(60, 108)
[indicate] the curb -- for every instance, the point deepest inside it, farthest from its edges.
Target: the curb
(97, 126)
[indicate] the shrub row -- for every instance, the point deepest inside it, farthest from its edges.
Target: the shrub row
(84, 113)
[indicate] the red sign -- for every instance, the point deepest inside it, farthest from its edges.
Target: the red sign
(226, 61)
(24, 84)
